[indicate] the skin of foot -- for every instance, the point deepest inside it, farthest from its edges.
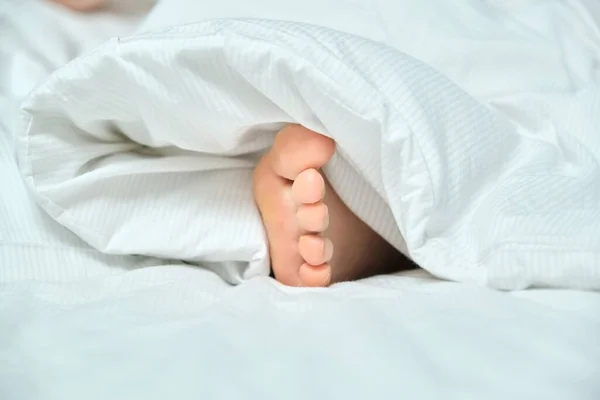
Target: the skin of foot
(314, 239)
(81, 5)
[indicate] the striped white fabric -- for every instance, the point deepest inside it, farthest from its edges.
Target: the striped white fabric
(32, 245)
(78, 323)
(146, 145)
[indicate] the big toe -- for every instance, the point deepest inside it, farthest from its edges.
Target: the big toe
(297, 148)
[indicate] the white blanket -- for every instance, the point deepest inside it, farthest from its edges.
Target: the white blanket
(146, 145)
(76, 323)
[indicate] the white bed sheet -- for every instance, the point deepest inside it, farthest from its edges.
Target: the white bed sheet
(78, 324)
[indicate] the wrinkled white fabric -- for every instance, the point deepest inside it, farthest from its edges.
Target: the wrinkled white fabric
(467, 134)
(76, 323)
(36, 38)
(176, 331)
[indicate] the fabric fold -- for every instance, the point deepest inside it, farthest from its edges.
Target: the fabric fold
(146, 146)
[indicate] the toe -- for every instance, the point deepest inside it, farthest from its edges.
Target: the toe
(315, 276)
(313, 217)
(308, 187)
(314, 249)
(297, 148)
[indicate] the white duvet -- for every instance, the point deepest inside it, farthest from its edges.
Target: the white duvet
(146, 145)
(466, 136)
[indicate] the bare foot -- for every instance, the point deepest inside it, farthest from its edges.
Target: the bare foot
(314, 239)
(81, 5)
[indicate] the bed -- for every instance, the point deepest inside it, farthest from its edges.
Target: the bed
(143, 311)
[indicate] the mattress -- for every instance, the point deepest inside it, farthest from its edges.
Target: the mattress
(85, 318)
